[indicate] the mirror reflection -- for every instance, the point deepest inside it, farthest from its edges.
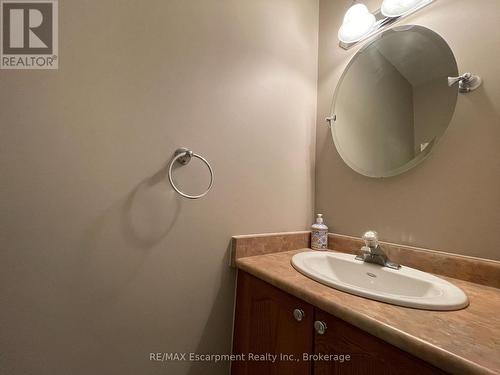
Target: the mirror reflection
(393, 101)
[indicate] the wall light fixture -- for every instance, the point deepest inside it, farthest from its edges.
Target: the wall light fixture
(397, 8)
(360, 24)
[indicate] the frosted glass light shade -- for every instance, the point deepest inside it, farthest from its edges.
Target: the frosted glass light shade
(396, 8)
(355, 11)
(358, 22)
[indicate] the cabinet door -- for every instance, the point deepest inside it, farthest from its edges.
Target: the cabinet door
(265, 324)
(368, 354)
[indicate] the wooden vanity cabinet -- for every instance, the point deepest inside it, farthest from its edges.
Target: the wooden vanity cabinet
(267, 321)
(368, 354)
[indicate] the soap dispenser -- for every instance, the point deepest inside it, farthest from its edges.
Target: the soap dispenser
(319, 234)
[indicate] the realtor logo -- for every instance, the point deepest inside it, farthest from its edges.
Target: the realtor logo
(29, 34)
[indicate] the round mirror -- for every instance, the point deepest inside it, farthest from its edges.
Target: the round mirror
(393, 101)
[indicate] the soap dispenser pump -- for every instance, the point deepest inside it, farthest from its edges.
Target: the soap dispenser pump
(319, 234)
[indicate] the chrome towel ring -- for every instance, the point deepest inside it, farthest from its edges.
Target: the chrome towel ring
(183, 156)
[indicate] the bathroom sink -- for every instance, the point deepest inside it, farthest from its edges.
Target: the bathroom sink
(404, 287)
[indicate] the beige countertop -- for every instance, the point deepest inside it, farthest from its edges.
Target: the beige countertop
(462, 342)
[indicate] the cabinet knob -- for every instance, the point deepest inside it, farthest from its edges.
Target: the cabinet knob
(320, 327)
(299, 314)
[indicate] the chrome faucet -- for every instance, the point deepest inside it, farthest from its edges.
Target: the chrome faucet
(373, 253)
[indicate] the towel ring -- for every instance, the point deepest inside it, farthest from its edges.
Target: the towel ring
(183, 156)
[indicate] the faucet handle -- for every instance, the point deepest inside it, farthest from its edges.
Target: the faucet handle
(371, 239)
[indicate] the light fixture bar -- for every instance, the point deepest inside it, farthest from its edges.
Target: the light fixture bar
(383, 22)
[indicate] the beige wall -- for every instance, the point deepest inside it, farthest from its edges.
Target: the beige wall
(450, 201)
(101, 263)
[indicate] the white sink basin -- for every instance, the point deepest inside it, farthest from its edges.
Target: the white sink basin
(405, 287)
